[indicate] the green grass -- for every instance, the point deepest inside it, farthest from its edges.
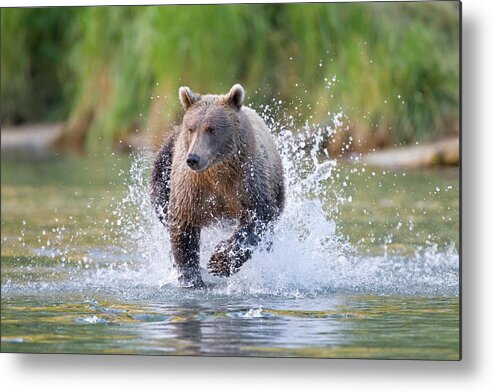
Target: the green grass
(111, 70)
(34, 44)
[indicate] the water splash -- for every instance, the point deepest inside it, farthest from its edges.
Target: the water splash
(309, 256)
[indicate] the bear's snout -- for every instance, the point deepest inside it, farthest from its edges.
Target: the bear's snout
(193, 161)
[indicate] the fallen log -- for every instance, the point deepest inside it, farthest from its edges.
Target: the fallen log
(445, 153)
(30, 138)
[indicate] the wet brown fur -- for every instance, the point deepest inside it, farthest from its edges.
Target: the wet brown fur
(241, 180)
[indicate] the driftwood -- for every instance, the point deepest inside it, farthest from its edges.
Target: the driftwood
(444, 152)
(30, 138)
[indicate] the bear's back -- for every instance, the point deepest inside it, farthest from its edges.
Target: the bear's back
(267, 152)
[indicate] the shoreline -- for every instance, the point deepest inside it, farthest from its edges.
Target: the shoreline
(38, 140)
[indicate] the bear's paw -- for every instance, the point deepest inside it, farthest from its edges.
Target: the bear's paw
(227, 259)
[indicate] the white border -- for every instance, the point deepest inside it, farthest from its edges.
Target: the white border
(111, 373)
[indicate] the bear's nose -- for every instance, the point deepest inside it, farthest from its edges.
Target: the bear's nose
(193, 161)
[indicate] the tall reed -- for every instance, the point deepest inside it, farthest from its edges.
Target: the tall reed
(393, 68)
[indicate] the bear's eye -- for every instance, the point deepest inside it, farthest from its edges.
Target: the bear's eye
(190, 130)
(210, 130)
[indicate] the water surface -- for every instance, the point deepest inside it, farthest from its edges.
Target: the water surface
(364, 265)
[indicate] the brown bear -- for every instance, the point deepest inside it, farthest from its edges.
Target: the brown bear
(221, 163)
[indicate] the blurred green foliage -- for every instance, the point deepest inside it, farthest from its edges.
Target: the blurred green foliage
(34, 44)
(110, 70)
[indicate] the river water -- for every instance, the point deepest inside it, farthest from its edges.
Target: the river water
(364, 264)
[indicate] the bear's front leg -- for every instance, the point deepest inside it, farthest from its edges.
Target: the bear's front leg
(231, 254)
(185, 243)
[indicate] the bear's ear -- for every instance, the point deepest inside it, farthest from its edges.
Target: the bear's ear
(235, 96)
(187, 97)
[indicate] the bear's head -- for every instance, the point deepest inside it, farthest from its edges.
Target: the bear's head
(210, 127)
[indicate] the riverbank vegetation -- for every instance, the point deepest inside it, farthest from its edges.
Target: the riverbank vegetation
(108, 72)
